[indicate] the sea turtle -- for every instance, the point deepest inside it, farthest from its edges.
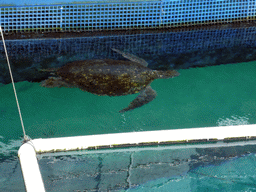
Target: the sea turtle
(111, 77)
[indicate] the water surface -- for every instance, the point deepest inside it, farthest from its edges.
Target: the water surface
(199, 97)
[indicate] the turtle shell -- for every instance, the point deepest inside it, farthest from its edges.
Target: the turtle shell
(107, 77)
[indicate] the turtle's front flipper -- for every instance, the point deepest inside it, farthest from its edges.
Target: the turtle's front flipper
(145, 96)
(132, 57)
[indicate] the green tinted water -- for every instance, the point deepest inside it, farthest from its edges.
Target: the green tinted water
(199, 97)
(231, 176)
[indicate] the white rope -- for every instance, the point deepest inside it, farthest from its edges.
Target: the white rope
(26, 138)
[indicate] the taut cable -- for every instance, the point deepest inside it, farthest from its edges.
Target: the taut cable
(26, 138)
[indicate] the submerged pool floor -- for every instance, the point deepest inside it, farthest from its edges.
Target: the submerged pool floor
(230, 176)
(161, 168)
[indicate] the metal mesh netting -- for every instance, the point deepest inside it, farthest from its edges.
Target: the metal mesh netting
(169, 42)
(163, 50)
(124, 15)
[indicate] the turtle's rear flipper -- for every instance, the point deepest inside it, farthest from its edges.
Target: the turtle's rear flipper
(48, 70)
(52, 71)
(145, 96)
(55, 82)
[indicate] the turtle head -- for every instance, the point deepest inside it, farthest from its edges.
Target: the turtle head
(167, 74)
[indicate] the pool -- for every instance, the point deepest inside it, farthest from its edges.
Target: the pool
(215, 88)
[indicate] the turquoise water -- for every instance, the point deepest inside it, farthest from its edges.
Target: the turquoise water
(199, 97)
(194, 169)
(231, 176)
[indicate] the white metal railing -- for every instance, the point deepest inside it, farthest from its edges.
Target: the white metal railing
(31, 172)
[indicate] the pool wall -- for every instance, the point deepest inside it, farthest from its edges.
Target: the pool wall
(32, 16)
(163, 50)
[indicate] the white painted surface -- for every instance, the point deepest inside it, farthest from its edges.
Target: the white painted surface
(27, 152)
(30, 169)
(83, 142)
